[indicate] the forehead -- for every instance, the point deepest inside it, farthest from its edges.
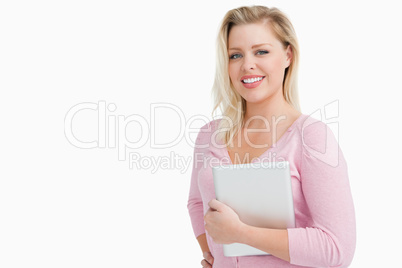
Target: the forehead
(246, 35)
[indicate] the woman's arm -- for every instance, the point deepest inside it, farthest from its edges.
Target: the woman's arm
(206, 253)
(329, 239)
(194, 203)
(202, 240)
(274, 241)
(225, 227)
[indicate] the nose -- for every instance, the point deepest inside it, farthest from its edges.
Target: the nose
(248, 63)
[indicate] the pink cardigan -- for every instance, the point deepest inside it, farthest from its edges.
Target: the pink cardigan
(325, 233)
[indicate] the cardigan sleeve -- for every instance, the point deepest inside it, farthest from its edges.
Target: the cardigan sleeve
(194, 204)
(330, 238)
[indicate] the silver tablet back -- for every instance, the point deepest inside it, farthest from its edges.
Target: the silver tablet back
(260, 193)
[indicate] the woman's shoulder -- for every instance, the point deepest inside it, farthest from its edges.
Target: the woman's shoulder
(213, 124)
(311, 125)
(317, 137)
(206, 131)
(313, 128)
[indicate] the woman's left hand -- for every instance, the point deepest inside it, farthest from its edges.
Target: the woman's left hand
(222, 223)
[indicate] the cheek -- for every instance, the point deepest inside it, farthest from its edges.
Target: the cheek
(278, 65)
(232, 72)
(272, 66)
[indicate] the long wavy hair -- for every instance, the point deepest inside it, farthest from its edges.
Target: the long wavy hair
(225, 97)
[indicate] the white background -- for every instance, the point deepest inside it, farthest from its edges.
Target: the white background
(63, 206)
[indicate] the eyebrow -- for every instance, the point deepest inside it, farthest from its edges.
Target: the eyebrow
(258, 45)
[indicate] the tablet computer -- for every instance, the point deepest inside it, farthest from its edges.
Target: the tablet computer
(260, 193)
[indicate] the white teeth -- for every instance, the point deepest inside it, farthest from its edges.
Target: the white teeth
(252, 80)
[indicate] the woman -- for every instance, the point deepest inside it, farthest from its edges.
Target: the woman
(256, 87)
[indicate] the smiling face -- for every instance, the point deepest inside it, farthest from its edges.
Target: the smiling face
(257, 61)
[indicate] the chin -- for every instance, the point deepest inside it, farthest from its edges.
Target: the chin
(256, 101)
(255, 97)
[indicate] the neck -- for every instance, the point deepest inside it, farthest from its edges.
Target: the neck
(275, 109)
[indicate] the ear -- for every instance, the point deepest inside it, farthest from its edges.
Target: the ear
(289, 56)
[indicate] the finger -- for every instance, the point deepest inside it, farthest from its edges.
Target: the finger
(207, 214)
(205, 264)
(216, 205)
(208, 257)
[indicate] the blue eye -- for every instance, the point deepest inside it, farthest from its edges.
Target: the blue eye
(262, 52)
(234, 56)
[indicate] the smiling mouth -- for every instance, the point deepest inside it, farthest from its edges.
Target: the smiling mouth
(252, 80)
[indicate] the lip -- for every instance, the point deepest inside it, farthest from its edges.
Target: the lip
(250, 76)
(252, 85)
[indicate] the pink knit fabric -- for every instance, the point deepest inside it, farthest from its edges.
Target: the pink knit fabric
(325, 233)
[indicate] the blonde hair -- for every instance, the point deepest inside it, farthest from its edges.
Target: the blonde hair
(232, 105)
